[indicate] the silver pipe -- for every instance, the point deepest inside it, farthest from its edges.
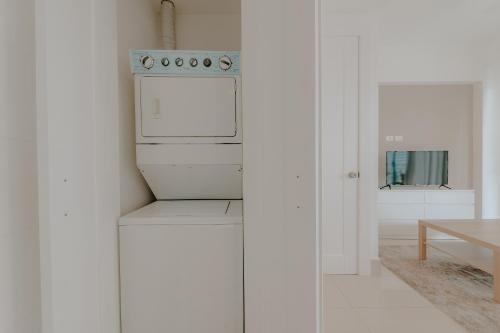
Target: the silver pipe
(168, 24)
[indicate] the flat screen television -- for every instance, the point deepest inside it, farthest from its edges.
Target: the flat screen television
(417, 168)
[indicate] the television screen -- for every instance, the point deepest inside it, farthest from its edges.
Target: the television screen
(417, 167)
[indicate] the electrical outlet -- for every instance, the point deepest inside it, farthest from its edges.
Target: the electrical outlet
(389, 138)
(398, 138)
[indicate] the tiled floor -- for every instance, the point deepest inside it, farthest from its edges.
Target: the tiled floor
(379, 304)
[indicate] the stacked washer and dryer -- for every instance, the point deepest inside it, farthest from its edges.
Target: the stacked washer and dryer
(181, 257)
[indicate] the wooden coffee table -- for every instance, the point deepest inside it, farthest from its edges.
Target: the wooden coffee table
(484, 233)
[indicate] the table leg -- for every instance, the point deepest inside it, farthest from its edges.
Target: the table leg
(496, 277)
(422, 241)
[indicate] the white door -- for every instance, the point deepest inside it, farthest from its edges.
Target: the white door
(339, 140)
(188, 106)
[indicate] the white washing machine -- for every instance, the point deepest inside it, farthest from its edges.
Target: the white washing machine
(181, 257)
(182, 267)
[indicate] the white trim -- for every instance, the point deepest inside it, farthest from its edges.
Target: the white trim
(376, 267)
(317, 148)
(107, 186)
(77, 125)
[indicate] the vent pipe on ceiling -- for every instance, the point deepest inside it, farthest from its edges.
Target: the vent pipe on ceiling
(168, 24)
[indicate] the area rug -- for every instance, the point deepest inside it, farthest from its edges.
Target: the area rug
(461, 291)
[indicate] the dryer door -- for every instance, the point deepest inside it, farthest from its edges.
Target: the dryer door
(188, 106)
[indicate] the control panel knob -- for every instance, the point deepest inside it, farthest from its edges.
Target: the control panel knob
(165, 62)
(179, 62)
(225, 63)
(193, 62)
(147, 62)
(207, 62)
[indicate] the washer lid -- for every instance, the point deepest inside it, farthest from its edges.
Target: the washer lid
(187, 212)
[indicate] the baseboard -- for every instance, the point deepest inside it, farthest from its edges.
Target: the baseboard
(375, 267)
(333, 264)
(336, 264)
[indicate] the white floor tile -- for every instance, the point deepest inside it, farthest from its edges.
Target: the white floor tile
(384, 291)
(333, 296)
(379, 304)
(344, 321)
(408, 320)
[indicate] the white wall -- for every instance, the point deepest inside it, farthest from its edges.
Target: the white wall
(429, 41)
(491, 134)
(77, 124)
(477, 147)
(420, 61)
(138, 28)
(19, 258)
(429, 117)
(279, 110)
(208, 32)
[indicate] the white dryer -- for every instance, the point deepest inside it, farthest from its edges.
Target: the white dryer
(189, 123)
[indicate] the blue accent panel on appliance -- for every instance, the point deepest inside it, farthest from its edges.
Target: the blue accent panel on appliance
(173, 69)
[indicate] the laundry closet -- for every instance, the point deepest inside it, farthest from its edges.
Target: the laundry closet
(181, 236)
(94, 169)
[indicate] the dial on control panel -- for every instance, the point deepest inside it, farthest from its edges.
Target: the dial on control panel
(147, 62)
(179, 62)
(225, 63)
(193, 62)
(165, 62)
(207, 62)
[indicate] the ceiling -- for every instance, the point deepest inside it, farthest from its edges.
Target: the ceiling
(468, 21)
(204, 6)
(450, 21)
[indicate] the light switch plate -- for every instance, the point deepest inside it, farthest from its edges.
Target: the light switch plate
(398, 138)
(389, 138)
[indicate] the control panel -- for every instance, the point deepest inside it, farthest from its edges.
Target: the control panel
(185, 62)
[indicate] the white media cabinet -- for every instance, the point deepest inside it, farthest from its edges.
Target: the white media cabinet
(400, 209)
